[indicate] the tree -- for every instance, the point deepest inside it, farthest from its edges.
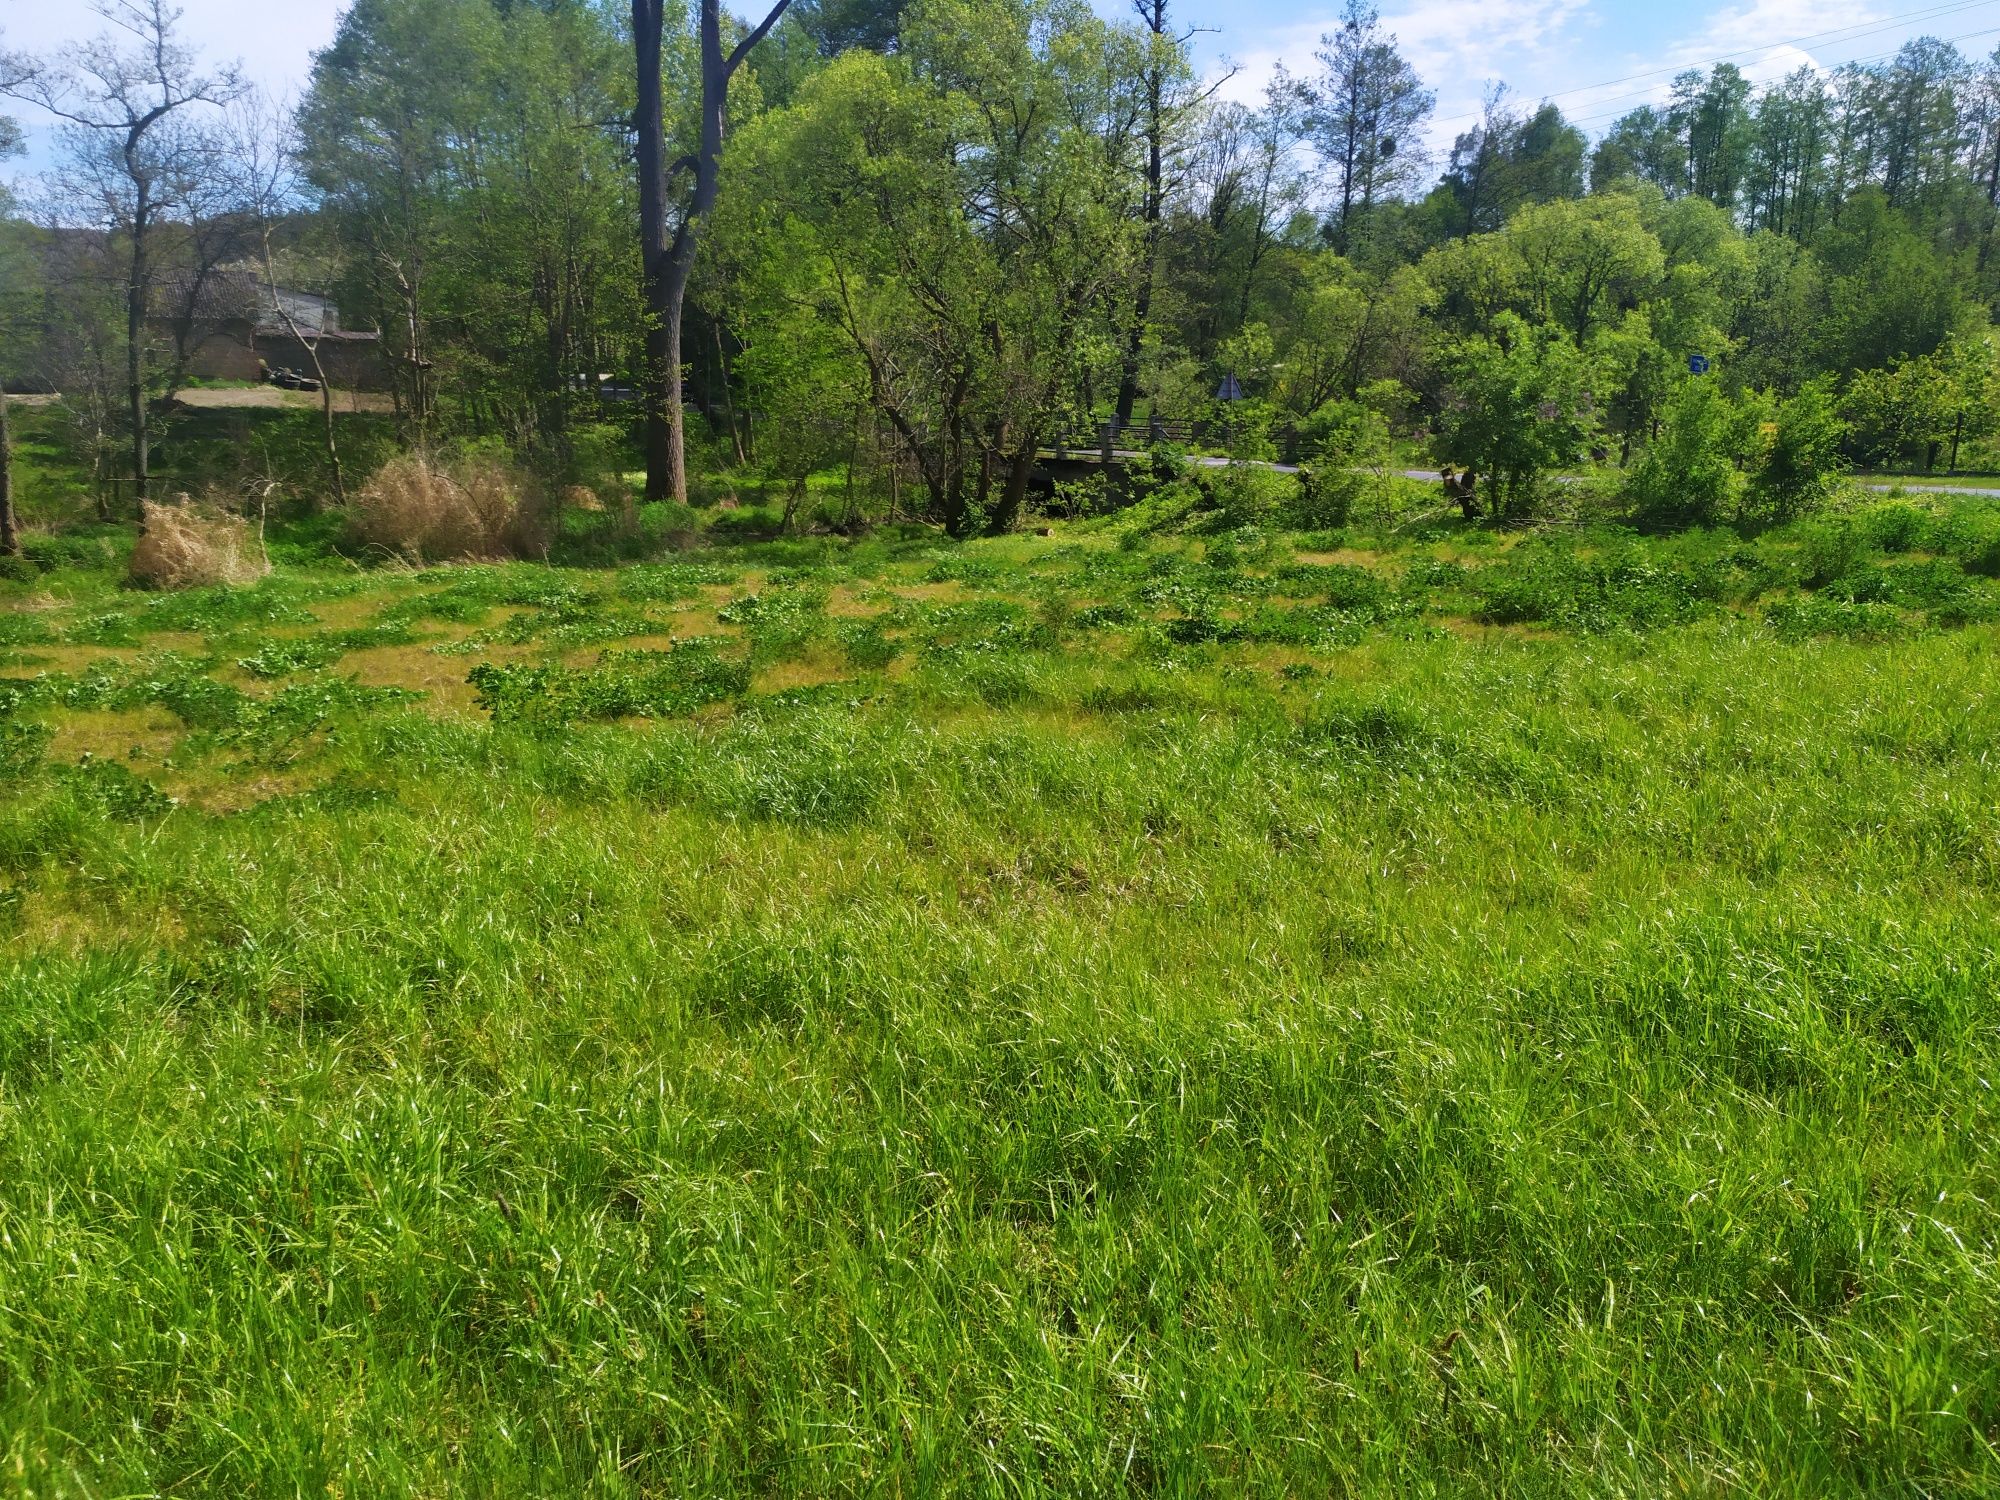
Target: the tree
(1711, 115)
(1800, 460)
(1787, 182)
(1919, 407)
(837, 25)
(1643, 145)
(1918, 100)
(1242, 187)
(11, 73)
(125, 105)
(1368, 112)
(1690, 471)
(1515, 408)
(1982, 122)
(265, 171)
(471, 170)
(1339, 329)
(1890, 294)
(960, 212)
(669, 261)
(1506, 161)
(1167, 104)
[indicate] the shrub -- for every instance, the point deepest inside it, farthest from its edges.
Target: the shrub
(1160, 468)
(1325, 499)
(1800, 463)
(22, 742)
(1896, 527)
(109, 789)
(1801, 619)
(866, 645)
(188, 545)
(1689, 475)
(1244, 495)
(429, 511)
(1350, 456)
(1514, 410)
(1090, 495)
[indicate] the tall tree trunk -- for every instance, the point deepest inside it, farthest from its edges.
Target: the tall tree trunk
(10, 538)
(649, 121)
(1015, 493)
(1155, 18)
(736, 429)
(135, 342)
(673, 483)
(668, 264)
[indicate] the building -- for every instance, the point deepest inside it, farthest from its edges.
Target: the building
(232, 326)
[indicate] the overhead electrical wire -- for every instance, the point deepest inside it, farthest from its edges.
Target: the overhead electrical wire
(1598, 116)
(1848, 33)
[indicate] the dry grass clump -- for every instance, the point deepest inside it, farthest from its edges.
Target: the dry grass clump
(431, 511)
(193, 544)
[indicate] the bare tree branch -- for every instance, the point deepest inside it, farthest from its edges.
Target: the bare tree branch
(763, 27)
(117, 98)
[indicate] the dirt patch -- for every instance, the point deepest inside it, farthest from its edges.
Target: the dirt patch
(269, 397)
(842, 604)
(131, 736)
(66, 659)
(815, 670)
(1341, 557)
(418, 668)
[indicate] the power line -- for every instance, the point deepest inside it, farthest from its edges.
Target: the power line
(1613, 114)
(1849, 33)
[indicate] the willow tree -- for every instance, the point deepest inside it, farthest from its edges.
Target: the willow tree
(669, 259)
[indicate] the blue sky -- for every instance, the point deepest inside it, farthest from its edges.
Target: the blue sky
(1540, 48)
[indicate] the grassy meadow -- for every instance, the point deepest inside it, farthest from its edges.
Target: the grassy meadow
(1142, 1009)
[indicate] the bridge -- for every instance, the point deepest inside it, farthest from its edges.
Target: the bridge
(1086, 448)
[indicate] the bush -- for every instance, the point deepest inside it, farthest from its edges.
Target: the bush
(1514, 410)
(429, 511)
(1160, 468)
(187, 545)
(1800, 463)
(1244, 495)
(1325, 498)
(1689, 474)
(1801, 619)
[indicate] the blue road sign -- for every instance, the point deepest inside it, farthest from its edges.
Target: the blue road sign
(1697, 364)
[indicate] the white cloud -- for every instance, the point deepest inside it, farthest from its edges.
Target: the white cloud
(1539, 47)
(1812, 33)
(1458, 47)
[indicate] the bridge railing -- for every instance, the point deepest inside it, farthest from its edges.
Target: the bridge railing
(1107, 437)
(1110, 436)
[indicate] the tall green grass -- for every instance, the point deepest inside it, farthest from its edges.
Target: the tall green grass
(1064, 1052)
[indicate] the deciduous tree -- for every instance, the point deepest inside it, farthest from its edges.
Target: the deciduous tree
(128, 104)
(1368, 112)
(669, 259)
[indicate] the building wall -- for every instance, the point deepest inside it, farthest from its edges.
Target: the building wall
(350, 366)
(224, 355)
(233, 353)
